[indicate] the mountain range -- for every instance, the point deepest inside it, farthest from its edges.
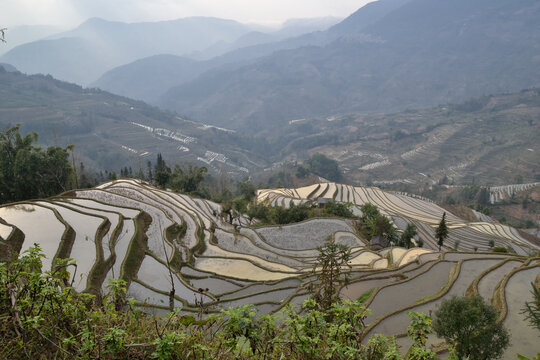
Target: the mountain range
(490, 139)
(389, 55)
(112, 132)
(83, 54)
(456, 50)
(150, 78)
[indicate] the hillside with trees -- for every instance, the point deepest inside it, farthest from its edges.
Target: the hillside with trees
(460, 49)
(111, 132)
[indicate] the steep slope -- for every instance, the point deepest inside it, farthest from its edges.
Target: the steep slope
(491, 140)
(149, 78)
(459, 49)
(290, 29)
(83, 54)
(404, 209)
(127, 79)
(156, 239)
(112, 131)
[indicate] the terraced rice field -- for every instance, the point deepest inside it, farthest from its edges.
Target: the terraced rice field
(403, 209)
(499, 193)
(41, 225)
(154, 238)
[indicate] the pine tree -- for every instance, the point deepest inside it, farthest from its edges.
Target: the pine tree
(162, 172)
(441, 232)
(150, 175)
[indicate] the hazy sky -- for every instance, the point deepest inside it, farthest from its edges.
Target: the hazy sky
(69, 13)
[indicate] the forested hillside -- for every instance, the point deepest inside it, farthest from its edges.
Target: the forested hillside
(457, 50)
(111, 132)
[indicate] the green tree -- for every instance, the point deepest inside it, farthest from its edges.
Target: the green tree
(331, 261)
(333, 208)
(373, 223)
(301, 172)
(281, 216)
(188, 179)
(470, 325)
(483, 196)
(324, 166)
(532, 308)
(240, 205)
(149, 173)
(27, 171)
(369, 211)
(246, 189)
(382, 226)
(418, 331)
(258, 211)
(162, 172)
(441, 232)
(407, 236)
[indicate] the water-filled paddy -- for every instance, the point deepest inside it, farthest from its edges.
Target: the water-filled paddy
(398, 323)
(525, 339)
(240, 269)
(305, 235)
(487, 284)
(39, 225)
(400, 295)
(5, 231)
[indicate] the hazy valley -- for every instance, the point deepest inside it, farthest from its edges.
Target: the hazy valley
(206, 187)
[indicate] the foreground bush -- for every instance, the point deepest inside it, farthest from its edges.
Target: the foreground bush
(42, 317)
(470, 324)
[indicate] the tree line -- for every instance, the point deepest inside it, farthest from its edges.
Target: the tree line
(28, 171)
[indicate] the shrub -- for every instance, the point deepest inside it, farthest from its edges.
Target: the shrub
(44, 318)
(499, 249)
(532, 308)
(470, 325)
(333, 208)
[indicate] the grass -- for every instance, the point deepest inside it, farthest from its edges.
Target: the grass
(366, 295)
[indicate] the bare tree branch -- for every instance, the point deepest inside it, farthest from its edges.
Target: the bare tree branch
(3, 35)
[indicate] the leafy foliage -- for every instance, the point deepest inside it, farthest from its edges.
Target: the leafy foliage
(420, 327)
(532, 308)
(43, 317)
(188, 179)
(470, 325)
(373, 223)
(339, 209)
(406, 237)
(295, 213)
(27, 171)
(323, 166)
(183, 179)
(332, 260)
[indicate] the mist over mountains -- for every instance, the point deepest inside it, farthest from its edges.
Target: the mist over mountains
(83, 54)
(278, 88)
(23, 34)
(423, 53)
(387, 56)
(154, 74)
